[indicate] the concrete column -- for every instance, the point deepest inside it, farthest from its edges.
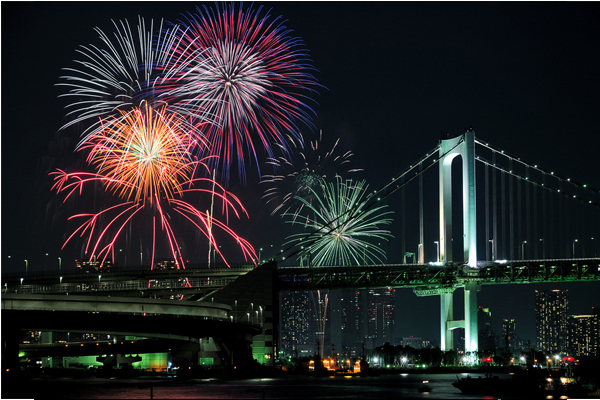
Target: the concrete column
(46, 338)
(471, 329)
(446, 315)
(469, 215)
(463, 146)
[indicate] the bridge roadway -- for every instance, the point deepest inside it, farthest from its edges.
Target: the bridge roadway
(129, 282)
(437, 278)
(425, 279)
(165, 319)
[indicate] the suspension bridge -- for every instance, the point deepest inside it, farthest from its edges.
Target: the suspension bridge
(519, 223)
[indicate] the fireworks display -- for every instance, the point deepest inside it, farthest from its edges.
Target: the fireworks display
(302, 175)
(246, 73)
(119, 75)
(340, 226)
(144, 159)
(161, 109)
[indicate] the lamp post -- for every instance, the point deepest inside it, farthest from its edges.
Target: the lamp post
(595, 254)
(26, 267)
(59, 265)
(543, 249)
(492, 242)
(259, 251)
(438, 250)
(419, 250)
(523, 249)
(574, 241)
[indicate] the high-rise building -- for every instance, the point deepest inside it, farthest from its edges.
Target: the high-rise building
(582, 335)
(509, 335)
(352, 326)
(551, 320)
(487, 337)
(380, 316)
(295, 333)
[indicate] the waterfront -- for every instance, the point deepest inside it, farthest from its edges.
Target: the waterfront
(292, 387)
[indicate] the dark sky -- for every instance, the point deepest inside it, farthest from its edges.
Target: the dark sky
(397, 77)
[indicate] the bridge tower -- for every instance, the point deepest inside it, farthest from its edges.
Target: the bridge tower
(463, 146)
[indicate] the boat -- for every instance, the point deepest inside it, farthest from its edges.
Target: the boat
(486, 386)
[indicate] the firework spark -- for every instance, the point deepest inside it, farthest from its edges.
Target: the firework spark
(244, 72)
(305, 172)
(340, 225)
(144, 159)
(117, 76)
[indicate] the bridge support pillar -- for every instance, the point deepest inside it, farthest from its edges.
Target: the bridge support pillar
(463, 146)
(471, 328)
(446, 314)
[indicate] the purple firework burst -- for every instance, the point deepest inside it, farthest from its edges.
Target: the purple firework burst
(246, 73)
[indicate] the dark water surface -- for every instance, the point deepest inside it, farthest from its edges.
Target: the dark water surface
(289, 387)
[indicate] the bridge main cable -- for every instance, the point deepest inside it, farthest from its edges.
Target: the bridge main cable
(535, 167)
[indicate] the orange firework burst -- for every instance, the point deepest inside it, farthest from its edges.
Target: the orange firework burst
(145, 157)
(145, 152)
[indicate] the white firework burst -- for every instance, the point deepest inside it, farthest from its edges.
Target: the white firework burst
(341, 226)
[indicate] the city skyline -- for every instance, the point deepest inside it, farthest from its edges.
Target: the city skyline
(396, 77)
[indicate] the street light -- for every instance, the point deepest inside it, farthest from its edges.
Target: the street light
(438, 250)
(574, 241)
(420, 251)
(492, 242)
(26, 267)
(595, 254)
(523, 249)
(259, 250)
(543, 250)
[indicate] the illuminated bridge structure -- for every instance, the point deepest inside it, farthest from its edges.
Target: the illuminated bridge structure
(500, 227)
(498, 231)
(175, 322)
(130, 282)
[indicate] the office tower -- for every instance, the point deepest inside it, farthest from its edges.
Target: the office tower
(380, 316)
(487, 337)
(352, 328)
(583, 335)
(551, 320)
(295, 324)
(509, 335)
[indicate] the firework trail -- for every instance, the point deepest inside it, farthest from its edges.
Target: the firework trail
(320, 306)
(304, 173)
(143, 158)
(118, 75)
(245, 73)
(339, 226)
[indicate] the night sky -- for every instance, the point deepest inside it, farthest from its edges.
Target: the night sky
(396, 77)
